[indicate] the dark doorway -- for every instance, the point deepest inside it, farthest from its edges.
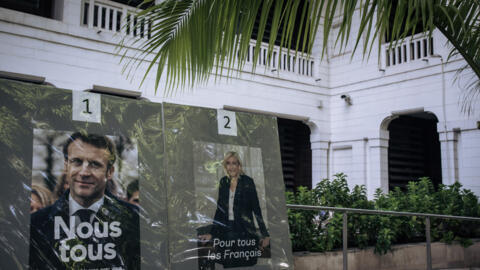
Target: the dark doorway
(298, 34)
(136, 3)
(42, 8)
(413, 150)
(296, 153)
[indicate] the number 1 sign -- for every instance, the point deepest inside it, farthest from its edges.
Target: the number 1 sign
(86, 107)
(227, 123)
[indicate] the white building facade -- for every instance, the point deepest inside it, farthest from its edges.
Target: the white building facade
(348, 103)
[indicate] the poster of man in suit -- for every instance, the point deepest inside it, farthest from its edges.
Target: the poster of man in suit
(81, 193)
(91, 224)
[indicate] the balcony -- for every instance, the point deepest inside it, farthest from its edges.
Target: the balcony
(411, 49)
(109, 16)
(289, 63)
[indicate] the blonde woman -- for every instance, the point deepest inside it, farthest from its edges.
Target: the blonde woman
(41, 197)
(236, 206)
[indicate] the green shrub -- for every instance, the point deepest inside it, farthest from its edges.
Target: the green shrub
(322, 231)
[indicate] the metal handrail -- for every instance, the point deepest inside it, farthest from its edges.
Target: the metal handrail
(380, 212)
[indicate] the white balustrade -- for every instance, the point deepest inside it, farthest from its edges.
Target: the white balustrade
(105, 15)
(300, 63)
(110, 16)
(411, 49)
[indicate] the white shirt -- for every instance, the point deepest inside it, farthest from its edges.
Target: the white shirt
(74, 206)
(231, 197)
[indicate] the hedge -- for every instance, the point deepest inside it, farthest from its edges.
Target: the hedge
(322, 231)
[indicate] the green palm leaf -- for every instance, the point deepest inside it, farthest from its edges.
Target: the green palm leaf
(194, 39)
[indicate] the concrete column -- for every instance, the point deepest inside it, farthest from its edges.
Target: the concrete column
(378, 170)
(319, 161)
(366, 161)
(320, 144)
(449, 155)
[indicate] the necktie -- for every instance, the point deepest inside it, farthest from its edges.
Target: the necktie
(84, 215)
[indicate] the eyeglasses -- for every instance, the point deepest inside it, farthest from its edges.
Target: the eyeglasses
(92, 164)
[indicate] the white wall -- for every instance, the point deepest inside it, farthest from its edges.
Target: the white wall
(75, 57)
(422, 85)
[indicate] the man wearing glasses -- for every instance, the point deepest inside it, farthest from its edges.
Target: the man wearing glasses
(87, 227)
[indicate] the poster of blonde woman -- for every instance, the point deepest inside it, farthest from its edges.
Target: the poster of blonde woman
(238, 234)
(226, 191)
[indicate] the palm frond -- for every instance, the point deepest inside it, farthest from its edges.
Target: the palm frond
(459, 21)
(470, 97)
(194, 39)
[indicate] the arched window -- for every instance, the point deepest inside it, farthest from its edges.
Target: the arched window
(296, 153)
(413, 150)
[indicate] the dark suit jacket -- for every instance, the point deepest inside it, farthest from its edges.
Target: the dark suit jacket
(245, 206)
(44, 249)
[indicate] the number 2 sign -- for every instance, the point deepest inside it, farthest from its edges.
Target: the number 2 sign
(86, 107)
(227, 123)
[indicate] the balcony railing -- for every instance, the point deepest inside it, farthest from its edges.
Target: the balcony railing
(109, 16)
(300, 64)
(345, 212)
(411, 49)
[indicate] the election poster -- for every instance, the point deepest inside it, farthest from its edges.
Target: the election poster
(217, 165)
(97, 174)
(81, 183)
(226, 191)
(94, 181)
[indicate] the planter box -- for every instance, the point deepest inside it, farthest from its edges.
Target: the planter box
(408, 256)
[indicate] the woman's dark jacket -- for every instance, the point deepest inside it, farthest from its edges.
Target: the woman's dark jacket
(245, 206)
